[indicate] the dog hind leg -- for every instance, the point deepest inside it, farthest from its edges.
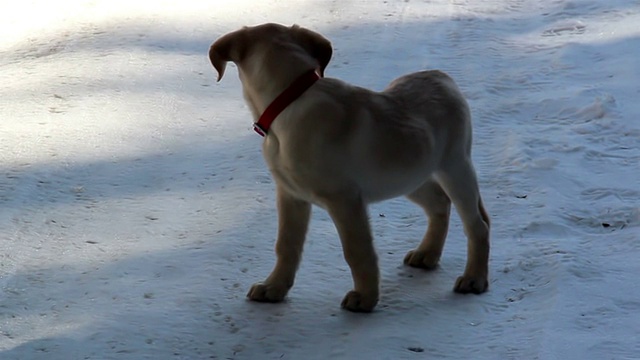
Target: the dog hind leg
(437, 205)
(458, 180)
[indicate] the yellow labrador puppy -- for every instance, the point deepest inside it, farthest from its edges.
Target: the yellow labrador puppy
(342, 147)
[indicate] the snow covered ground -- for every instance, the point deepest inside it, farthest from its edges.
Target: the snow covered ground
(136, 210)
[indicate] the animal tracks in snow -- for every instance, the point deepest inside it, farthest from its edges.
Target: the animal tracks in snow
(573, 27)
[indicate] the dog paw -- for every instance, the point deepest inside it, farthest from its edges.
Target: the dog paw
(357, 302)
(471, 284)
(422, 259)
(265, 292)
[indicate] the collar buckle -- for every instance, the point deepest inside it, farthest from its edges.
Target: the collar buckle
(259, 129)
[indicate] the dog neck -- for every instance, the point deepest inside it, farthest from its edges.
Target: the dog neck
(260, 91)
(263, 81)
(286, 97)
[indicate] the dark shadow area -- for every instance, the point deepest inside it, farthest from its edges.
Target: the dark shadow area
(188, 302)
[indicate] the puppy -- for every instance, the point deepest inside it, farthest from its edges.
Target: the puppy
(341, 147)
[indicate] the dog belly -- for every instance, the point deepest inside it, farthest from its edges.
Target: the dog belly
(326, 177)
(373, 188)
(381, 187)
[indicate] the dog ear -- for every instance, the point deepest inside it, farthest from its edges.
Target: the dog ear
(315, 44)
(229, 47)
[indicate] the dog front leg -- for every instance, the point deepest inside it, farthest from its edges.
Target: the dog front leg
(352, 223)
(293, 220)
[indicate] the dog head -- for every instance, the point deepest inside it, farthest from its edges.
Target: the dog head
(270, 43)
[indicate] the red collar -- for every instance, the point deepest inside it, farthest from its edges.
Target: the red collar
(289, 95)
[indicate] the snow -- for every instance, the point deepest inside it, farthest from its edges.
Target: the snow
(136, 209)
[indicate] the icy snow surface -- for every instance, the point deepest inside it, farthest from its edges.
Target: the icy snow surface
(136, 209)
